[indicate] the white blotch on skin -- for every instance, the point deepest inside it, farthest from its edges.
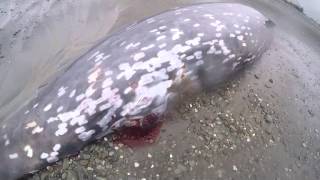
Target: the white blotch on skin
(90, 91)
(244, 44)
(79, 130)
(162, 27)
(62, 129)
(161, 37)
(210, 16)
(7, 142)
(56, 147)
(186, 20)
(162, 45)
(36, 105)
(132, 45)
(13, 156)
(176, 33)
(61, 91)
(94, 55)
(44, 155)
(228, 14)
(27, 112)
(183, 56)
(196, 25)
(73, 92)
(60, 108)
(52, 159)
(94, 76)
(80, 120)
(153, 30)
(194, 42)
(28, 150)
(84, 136)
(101, 56)
(240, 38)
(232, 35)
(37, 129)
(31, 125)
(147, 47)
(200, 34)
(225, 60)
(80, 97)
(107, 83)
(219, 28)
(218, 35)
(198, 54)
(127, 90)
(139, 56)
(52, 119)
(47, 107)
(151, 20)
(188, 58)
(234, 65)
(127, 71)
(224, 48)
(108, 73)
(232, 56)
(199, 63)
(122, 43)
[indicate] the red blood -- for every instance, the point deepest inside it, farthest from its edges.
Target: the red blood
(140, 135)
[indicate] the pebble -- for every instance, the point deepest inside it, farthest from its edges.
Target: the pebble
(71, 175)
(136, 164)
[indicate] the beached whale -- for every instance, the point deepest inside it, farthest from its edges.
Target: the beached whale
(131, 75)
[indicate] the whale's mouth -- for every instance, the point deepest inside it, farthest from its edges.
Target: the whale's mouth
(141, 132)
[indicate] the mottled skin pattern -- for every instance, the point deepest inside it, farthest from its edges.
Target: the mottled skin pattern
(132, 74)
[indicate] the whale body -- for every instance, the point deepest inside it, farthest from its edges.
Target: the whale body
(132, 74)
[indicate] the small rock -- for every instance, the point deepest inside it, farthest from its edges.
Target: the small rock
(136, 164)
(84, 162)
(72, 175)
(267, 86)
(268, 118)
(65, 164)
(86, 156)
(310, 112)
(234, 167)
(304, 144)
(64, 175)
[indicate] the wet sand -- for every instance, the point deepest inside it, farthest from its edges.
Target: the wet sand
(262, 124)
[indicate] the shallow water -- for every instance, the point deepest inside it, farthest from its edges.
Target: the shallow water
(311, 8)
